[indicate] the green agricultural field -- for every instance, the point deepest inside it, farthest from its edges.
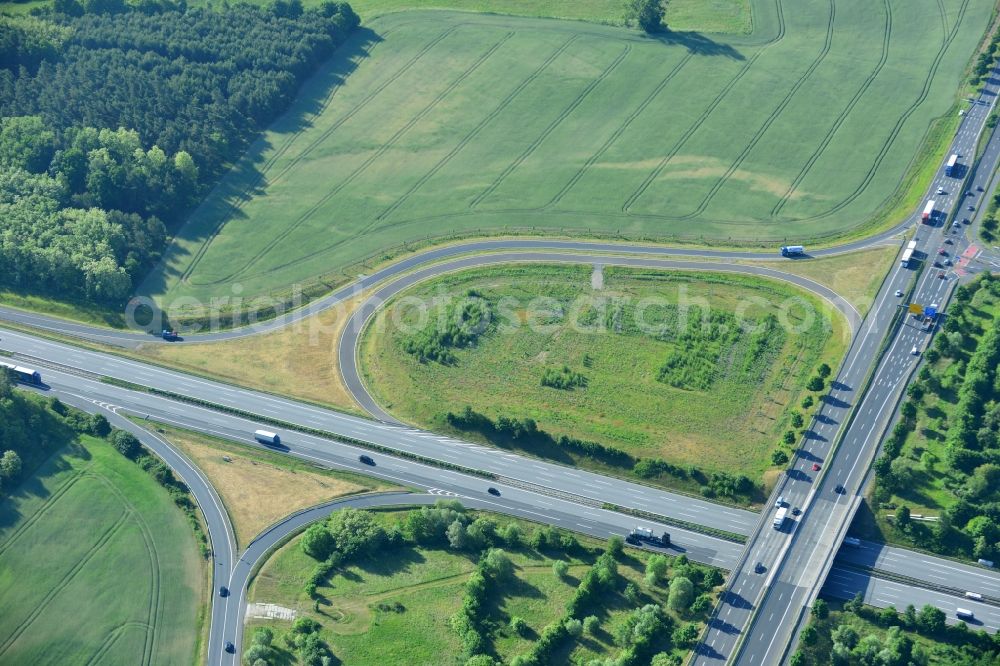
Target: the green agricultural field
(430, 124)
(395, 608)
(97, 565)
(698, 393)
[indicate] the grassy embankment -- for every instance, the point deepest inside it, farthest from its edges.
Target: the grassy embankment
(97, 563)
(258, 487)
(714, 400)
(395, 608)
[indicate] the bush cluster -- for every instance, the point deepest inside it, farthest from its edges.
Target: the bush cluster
(466, 322)
(563, 378)
(526, 433)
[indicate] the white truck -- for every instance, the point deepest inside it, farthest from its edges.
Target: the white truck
(779, 518)
(267, 437)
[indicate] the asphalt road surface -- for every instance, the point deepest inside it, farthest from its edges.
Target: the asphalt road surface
(802, 552)
(543, 475)
(433, 482)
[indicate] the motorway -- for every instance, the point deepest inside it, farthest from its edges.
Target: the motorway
(801, 554)
(234, 570)
(795, 558)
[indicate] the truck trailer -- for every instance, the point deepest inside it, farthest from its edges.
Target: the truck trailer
(267, 437)
(779, 518)
(928, 215)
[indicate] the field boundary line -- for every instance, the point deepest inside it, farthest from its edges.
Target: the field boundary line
(618, 132)
(155, 611)
(34, 517)
(67, 578)
(898, 127)
(577, 101)
(766, 125)
(886, 35)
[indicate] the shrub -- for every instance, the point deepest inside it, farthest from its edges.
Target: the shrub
(681, 594)
(701, 604)
(616, 547)
(518, 625)
(560, 569)
(591, 624)
(779, 457)
(574, 627)
(816, 384)
(125, 443)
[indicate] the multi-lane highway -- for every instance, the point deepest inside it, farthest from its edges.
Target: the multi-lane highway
(794, 560)
(232, 569)
(801, 554)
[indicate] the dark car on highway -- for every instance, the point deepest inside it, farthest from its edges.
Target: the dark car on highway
(366, 460)
(223, 591)
(493, 491)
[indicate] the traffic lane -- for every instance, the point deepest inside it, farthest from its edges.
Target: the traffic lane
(133, 338)
(220, 533)
(498, 461)
(330, 453)
(867, 421)
(349, 345)
(797, 567)
(881, 593)
(798, 484)
(920, 566)
(532, 505)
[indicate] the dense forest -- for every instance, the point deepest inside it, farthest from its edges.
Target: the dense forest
(115, 118)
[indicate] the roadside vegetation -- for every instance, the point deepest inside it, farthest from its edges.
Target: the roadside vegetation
(101, 555)
(445, 585)
(855, 276)
(938, 479)
(258, 487)
(299, 360)
(649, 373)
(853, 634)
(531, 94)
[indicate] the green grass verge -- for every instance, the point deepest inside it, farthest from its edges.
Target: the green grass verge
(499, 123)
(886, 633)
(722, 404)
(97, 564)
(428, 583)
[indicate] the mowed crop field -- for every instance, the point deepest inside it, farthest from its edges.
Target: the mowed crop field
(430, 123)
(721, 404)
(97, 566)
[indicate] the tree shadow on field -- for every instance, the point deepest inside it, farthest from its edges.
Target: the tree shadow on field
(698, 44)
(246, 176)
